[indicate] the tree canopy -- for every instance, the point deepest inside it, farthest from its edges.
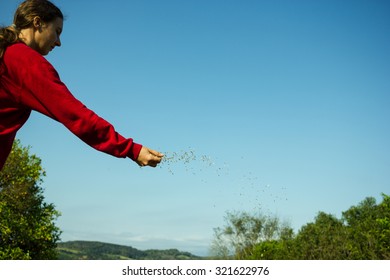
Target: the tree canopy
(362, 232)
(243, 231)
(27, 228)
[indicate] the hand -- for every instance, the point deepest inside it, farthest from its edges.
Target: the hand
(148, 157)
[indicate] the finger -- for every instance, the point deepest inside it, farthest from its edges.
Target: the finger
(152, 164)
(155, 153)
(155, 159)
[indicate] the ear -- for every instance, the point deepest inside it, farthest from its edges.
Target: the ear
(37, 22)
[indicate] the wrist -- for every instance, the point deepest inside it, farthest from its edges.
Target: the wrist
(134, 151)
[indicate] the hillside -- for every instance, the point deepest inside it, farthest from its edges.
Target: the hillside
(92, 250)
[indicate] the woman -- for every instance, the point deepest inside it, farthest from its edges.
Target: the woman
(29, 82)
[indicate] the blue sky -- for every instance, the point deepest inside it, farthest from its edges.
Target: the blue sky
(285, 105)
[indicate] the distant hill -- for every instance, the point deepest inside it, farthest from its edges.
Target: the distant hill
(92, 250)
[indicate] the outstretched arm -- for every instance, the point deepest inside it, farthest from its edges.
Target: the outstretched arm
(41, 89)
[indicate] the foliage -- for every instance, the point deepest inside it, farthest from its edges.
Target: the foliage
(243, 231)
(368, 226)
(27, 229)
(91, 250)
(323, 239)
(281, 248)
(383, 227)
(363, 232)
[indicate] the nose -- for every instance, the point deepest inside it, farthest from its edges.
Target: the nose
(58, 41)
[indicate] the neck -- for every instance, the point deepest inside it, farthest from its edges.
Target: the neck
(26, 36)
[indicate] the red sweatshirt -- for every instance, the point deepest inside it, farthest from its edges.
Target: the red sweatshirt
(29, 82)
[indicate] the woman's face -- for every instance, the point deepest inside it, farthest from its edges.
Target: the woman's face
(47, 36)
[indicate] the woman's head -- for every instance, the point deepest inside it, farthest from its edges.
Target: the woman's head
(29, 10)
(38, 23)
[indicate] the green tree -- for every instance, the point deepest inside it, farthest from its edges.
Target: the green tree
(325, 239)
(363, 232)
(383, 223)
(27, 228)
(368, 226)
(282, 248)
(242, 232)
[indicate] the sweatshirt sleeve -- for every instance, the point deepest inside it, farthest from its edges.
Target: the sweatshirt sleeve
(43, 91)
